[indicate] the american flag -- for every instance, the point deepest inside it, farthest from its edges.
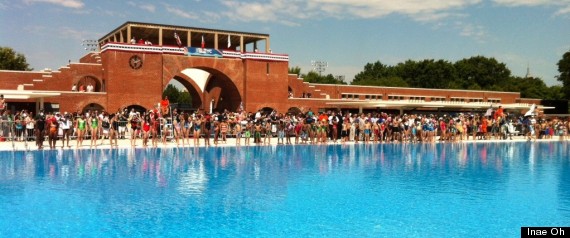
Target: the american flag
(178, 41)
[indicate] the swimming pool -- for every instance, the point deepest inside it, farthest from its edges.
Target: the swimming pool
(471, 189)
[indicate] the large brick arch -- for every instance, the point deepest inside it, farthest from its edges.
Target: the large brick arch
(224, 86)
(93, 106)
(87, 79)
(193, 89)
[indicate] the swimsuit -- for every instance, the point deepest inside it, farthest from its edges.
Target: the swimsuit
(81, 124)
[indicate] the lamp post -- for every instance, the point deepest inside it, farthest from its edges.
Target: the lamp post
(90, 45)
(319, 66)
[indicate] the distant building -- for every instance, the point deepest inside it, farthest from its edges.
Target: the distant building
(221, 70)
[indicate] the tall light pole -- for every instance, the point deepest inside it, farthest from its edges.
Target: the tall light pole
(90, 45)
(319, 66)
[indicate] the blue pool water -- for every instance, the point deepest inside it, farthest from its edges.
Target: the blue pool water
(443, 190)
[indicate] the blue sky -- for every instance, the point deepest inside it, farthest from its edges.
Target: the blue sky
(345, 33)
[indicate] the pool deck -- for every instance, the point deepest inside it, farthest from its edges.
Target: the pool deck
(126, 143)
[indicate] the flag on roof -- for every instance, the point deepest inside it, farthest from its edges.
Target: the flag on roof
(178, 41)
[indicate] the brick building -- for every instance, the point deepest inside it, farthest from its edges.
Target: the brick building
(221, 70)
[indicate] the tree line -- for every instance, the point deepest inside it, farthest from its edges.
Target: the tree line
(475, 73)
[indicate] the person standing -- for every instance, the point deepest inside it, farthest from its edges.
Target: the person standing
(113, 130)
(40, 123)
(165, 106)
(52, 130)
(135, 122)
(197, 129)
(2, 103)
(224, 127)
(206, 129)
(90, 88)
(94, 126)
(155, 128)
(65, 124)
(81, 128)
(146, 126)
(237, 130)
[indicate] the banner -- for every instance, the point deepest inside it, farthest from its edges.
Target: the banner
(196, 51)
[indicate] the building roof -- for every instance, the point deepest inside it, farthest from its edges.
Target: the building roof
(150, 31)
(400, 104)
(27, 94)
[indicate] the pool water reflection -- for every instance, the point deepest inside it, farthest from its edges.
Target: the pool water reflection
(481, 189)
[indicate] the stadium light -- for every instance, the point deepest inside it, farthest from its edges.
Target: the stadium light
(319, 66)
(90, 45)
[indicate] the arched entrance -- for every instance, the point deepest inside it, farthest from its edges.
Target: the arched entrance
(294, 110)
(223, 93)
(84, 82)
(210, 89)
(195, 99)
(267, 110)
(137, 108)
(93, 107)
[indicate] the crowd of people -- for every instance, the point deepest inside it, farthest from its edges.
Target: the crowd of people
(162, 126)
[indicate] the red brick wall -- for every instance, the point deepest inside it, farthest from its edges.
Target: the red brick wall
(254, 85)
(127, 86)
(266, 89)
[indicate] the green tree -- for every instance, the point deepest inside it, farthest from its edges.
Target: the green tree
(555, 92)
(314, 77)
(11, 60)
(295, 70)
(408, 71)
(172, 92)
(427, 73)
(482, 71)
(564, 76)
(531, 87)
(184, 98)
(372, 72)
(385, 81)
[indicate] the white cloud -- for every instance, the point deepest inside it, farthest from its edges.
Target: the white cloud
(471, 30)
(288, 12)
(70, 33)
(210, 17)
(63, 32)
(179, 12)
(563, 6)
(278, 10)
(65, 3)
(146, 7)
(518, 3)
(563, 11)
